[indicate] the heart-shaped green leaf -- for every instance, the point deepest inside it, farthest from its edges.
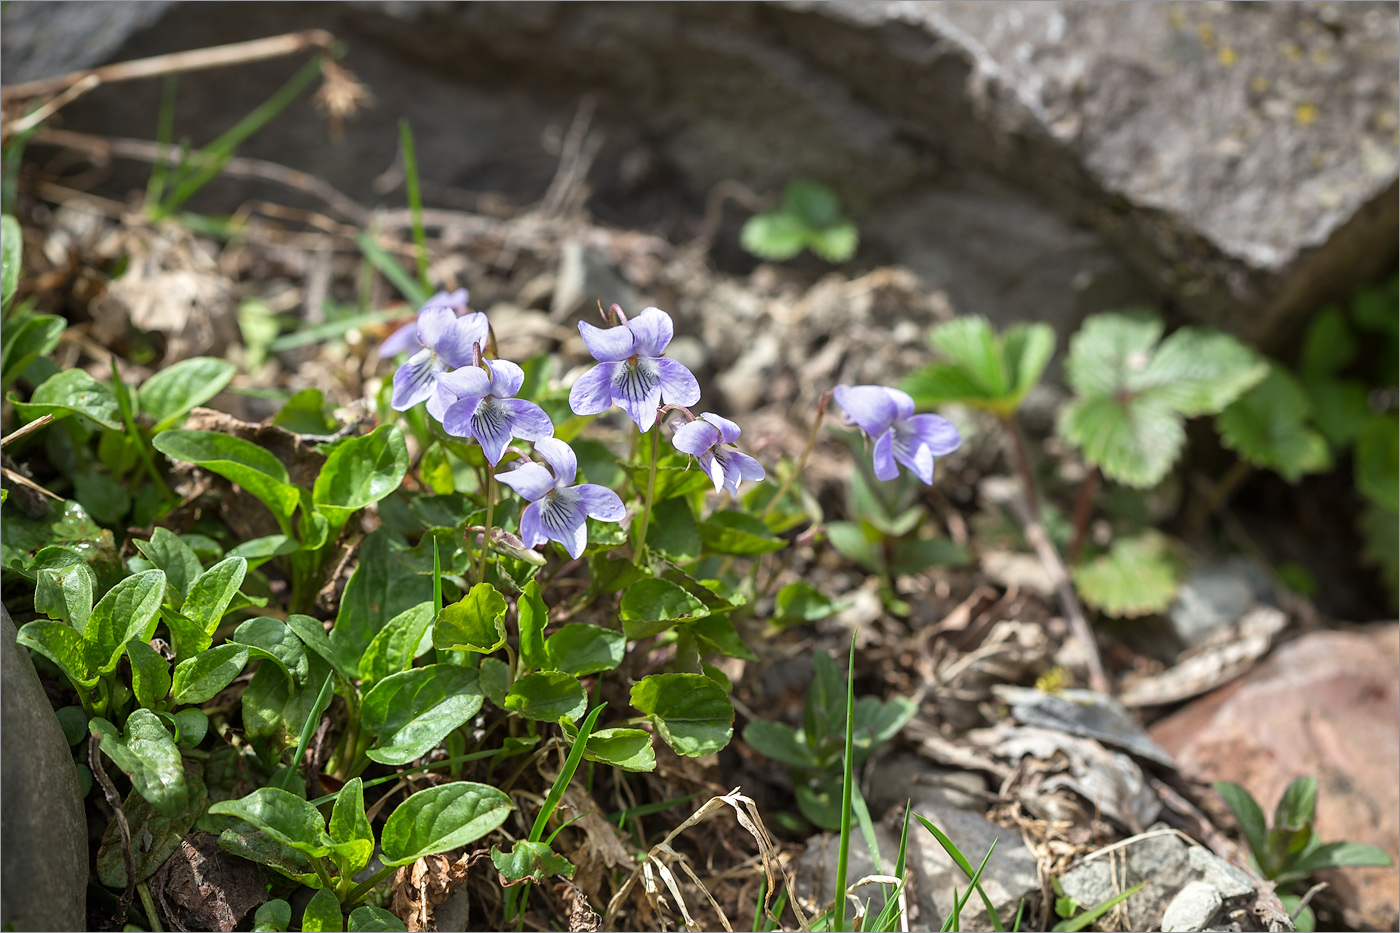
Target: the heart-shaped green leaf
(396, 646)
(548, 696)
(581, 648)
(440, 819)
(414, 710)
(361, 471)
(690, 711)
(475, 623)
(173, 391)
(1139, 575)
(284, 816)
(652, 606)
(147, 755)
(237, 461)
(1270, 426)
(350, 829)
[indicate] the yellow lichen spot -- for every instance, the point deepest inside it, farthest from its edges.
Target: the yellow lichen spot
(1321, 57)
(1207, 33)
(1054, 680)
(1293, 51)
(1259, 84)
(1227, 56)
(1305, 114)
(1177, 19)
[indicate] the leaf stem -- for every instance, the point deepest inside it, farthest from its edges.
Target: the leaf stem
(1217, 496)
(1021, 455)
(149, 904)
(640, 545)
(360, 890)
(143, 445)
(486, 533)
(1083, 511)
(801, 463)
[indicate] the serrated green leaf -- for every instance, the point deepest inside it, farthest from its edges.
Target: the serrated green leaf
(532, 861)
(146, 754)
(652, 606)
(361, 471)
(548, 696)
(305, 413)
(70, 392)
(238, 461)
(690, 711)
(212, 591)
(394, 649)
(313, 635)
(495, 680)
(349, 829)
(1134, 444)
(440, 819)
(580, 649)
(1199, 372)
(1139, 575)
(284, 816)
(174, 390)
(150, 674)
(1269, 427)
(475, 623)
(414, 710)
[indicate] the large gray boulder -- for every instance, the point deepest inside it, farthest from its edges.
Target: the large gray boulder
(1235, 163)
(44, 848)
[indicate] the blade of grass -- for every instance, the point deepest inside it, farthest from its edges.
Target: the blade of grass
(647, 809)
(1080, 921)
(389, 267)
(758, 920)
(1020, 912)
(838, 907)
(415, 201)
(308, 728)
(890, 912)
(331, 329)
(210, 159)
(566, 774)
(966, 867)
(444, 763)
(165, 132)
(959, 903)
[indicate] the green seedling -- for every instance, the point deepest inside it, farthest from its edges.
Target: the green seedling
(809, 218)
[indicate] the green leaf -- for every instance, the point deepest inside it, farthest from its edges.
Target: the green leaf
(581, 648)
(1134, 443)
(193, 726)
(835, 244)
(738, 533)
(1269, 427)
(779, 742)
(174, 390)
(396, 646)
(495, 680)
(1378, 462)
(879, 721)
(774, 236)
(11, 257)
(547, 696)
(474, 623)
(414, 710)
(361, 471)
(129, 610)
(529, 861)
(150, 674)
(147, 754)
(273, 917)
(323, 914)
(440, 819)
(63, 586)
(690, 711)
(261, 550)
(238, 461)
(532, 617)
(70, 392)
(1381, 545)
(1298, 804)
(246, 841)
(1340, 409)
(74, 722)
(313, 635)
(652, 606)
(274, 641)
(1027, 349)
(981, 369)
(349, 829)
(1199, 372)
(61, 644)
(717, 634)
(187, 638)
(1329, 346)
(1341, 855)
(628, 749)
(275, 709)
(167, 552)
(814, 203)
(1086, 919)
(284, 816)
(305, 413)
(383, 585)
(26, 338)
(1250, 817)
(852, 542)
(1138, 576)
(436, 470)
(369, 919)
(673, 531)
(801, 602)
(212, 591)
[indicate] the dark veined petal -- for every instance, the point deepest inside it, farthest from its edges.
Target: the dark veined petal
(915, 455)
(527, 420)
(871, 407)
(457, 419)
(636, 389)
(491, 426)
(413, 381)
(561, 459)
(678, 385)
(885, 467)
(531, 481)
(563, 519)
(728, 430)
(937, 433)
(607, 344)
(600, 502)
(402, 340)
(592, 392)
(653, 330)
(695, 438)
(713, 467)
(530, 531)
(506, 378)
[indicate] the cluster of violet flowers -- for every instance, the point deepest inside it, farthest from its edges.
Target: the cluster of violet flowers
(474, 398)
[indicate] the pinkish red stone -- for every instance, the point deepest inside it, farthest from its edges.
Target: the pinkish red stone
(1327, 705)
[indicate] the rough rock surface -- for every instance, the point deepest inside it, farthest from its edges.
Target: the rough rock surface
(1033, 159)
(1324, 705)
(45, 835)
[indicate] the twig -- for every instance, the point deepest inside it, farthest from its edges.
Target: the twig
(1303, 901)
(23, 480)
(726, 190)
(114, 801)
(25, 430)
(239, 53)
(140, 150)
(1083, 510)
(1004, 492)
(1022, 457)
(49, 109)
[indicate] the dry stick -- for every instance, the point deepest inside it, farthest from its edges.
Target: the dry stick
(239, 53)
(23, 480)
(23, 430)
(1083, 509)
(114, 801)
(1064, 589)
(49, 109)
(140, 150)
(1023, 464)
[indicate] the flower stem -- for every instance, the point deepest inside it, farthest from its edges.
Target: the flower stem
(486, 534)
(1023, 464)
(1083, 511)
(640, 545)
(802, 460)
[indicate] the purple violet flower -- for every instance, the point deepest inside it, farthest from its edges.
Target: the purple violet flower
(481, 403)
(406, 338)
(446, 342)
(707, 440)
(887, 415)
(631, 372)
(559, 510)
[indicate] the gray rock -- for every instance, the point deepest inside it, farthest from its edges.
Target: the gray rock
(586, 279)
(1010, 876)
(1220, 874)
(1216, 595)
(45, 835)
(1157, 857)
(815, 874)
(1192, 909)
(1082, 712)
(904, 777)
